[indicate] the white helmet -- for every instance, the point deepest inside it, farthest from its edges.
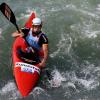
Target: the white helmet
(36, 21)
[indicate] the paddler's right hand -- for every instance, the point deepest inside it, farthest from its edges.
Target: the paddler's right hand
(21, 34)
(17, 34)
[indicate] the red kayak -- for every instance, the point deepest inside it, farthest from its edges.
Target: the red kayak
(26, 75)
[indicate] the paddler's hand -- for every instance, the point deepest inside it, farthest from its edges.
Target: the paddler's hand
(17, 34)
(42, 64)
(21, 34)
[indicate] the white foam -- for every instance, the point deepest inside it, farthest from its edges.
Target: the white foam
(10, 91)
(69, 79)
(38, 91)
(88, 84)
(57, 79)
(8, 88)
(64, 44)
(86, 29)
(70, 84)
(98, 8)
(93, 34)
(74, 7)
(85, 12)
(91, 82)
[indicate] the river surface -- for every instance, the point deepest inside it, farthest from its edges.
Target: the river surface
(73, 29)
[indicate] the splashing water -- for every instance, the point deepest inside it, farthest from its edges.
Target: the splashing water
(57, 79)
(10, 91)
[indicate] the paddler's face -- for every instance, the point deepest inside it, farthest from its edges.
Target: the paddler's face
(36, 28)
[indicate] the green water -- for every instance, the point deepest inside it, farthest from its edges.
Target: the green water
(73, 29)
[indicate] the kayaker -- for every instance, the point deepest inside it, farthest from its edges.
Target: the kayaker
(36, 39)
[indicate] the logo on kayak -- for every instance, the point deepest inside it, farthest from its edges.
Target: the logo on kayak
(27, 67)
